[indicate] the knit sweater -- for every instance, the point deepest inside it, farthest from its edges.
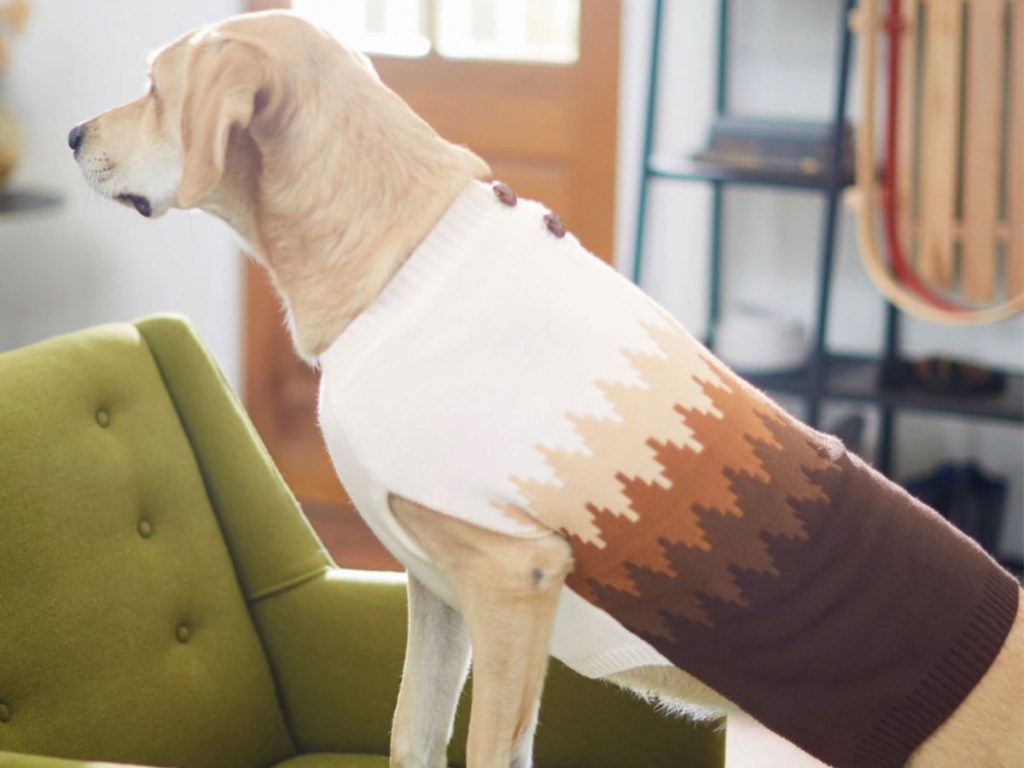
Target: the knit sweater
(506, 375)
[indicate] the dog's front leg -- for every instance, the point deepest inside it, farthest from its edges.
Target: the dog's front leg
(436, 663)
(508, 589)
(522, 749)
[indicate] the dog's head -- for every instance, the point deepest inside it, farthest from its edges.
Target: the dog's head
(210, 97)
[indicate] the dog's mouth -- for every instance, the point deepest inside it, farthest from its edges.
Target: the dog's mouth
(140, 203)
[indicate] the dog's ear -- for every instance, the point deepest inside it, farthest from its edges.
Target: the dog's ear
(225, 81)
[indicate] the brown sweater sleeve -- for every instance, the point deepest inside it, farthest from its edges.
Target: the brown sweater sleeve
(800, 583)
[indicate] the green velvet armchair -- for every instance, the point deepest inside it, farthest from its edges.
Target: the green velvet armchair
(164, 602)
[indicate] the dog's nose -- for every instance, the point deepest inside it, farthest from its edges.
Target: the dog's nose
(76, 137)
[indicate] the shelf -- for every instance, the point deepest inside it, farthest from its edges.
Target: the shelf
(684, 169)
(845, 377)
(856, 379)
(25, 200)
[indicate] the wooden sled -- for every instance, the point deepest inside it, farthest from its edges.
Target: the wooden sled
(950, 200)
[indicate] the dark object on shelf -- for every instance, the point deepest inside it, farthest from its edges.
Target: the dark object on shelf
(966, 497)
(669, 166)
(24, 200)
(774, 147)
(856, 378)
(941, 376)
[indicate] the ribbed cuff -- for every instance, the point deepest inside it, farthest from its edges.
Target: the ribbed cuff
(907, 725)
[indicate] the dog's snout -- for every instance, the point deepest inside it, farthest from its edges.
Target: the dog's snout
(76, 136)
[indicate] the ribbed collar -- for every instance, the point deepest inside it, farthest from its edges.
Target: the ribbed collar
(442, 252)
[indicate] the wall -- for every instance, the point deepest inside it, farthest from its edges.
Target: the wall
(783, 62)
(92, 261)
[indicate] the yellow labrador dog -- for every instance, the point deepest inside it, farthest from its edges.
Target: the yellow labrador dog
(270, 124)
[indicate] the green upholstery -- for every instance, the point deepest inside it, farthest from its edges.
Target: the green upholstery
(164, 602)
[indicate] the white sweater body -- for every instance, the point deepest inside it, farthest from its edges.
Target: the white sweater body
(445, 388)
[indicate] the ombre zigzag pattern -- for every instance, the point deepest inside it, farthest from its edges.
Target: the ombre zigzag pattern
(681, 492)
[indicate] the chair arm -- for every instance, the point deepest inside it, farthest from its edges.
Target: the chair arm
(336, 645)
(18, 760)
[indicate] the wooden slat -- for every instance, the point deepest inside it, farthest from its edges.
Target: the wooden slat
(906, 130)
(939, 123)
(597, 82)
(1015, 166)
(983, 105)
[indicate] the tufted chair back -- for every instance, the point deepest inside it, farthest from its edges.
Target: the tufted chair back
(125, 574)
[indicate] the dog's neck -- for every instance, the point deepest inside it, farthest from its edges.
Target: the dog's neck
(333, 214)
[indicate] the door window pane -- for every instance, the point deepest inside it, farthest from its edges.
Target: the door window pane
(511, 30)
(389, 27)
(545, 31)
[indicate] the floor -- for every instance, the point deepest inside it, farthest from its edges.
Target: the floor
(748, 744)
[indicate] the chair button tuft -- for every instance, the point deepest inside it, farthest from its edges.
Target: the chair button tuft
(5, 713)
(103, 417)
(183, 633)
(145, 528)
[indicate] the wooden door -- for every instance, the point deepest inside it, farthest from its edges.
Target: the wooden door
(547, 130)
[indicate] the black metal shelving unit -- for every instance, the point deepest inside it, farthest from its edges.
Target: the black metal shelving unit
(826, 376)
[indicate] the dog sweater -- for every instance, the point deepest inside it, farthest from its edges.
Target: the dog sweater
(505, 376)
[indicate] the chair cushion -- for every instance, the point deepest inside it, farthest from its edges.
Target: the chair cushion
(325, 760)
(124, 634)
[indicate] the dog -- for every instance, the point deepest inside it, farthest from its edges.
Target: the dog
(667, 529)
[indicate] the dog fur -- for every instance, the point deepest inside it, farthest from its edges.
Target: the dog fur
(235, 116)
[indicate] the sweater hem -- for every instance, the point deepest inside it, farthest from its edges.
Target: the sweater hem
(618, 660)
(909, 723)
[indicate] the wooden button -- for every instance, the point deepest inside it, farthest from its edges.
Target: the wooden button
(505, 194)
(554, 225)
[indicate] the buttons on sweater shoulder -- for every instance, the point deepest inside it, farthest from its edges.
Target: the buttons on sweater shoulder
(554, 225)
(505, 194)
(103, 417)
